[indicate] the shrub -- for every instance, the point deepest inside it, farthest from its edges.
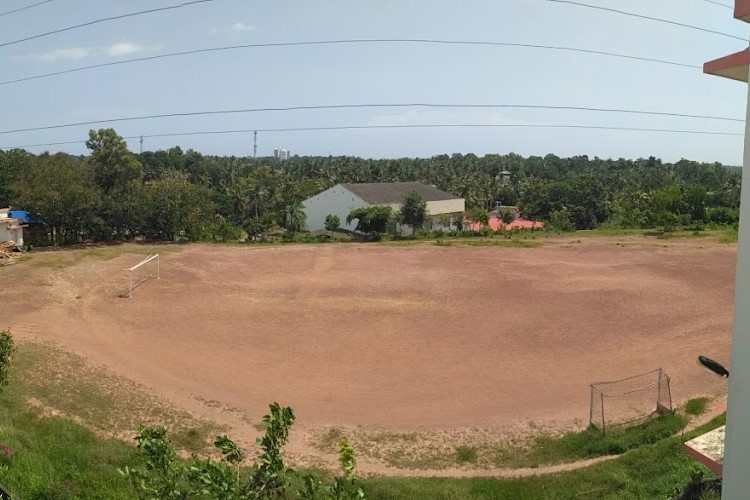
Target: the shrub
(696, 406)
(507, 215)
(332, 222)
(560, 220)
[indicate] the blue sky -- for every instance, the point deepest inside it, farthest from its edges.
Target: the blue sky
(389, 73)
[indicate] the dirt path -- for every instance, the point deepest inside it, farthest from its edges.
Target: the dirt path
(396, 338)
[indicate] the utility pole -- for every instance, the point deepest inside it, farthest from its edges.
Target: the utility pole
(141, 144)
(255, 144)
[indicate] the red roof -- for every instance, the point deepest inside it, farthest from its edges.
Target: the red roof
(495, 223)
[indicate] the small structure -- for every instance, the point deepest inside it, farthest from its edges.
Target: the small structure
(708, 449)
(444, 210)
(11, 228)
(503, 177)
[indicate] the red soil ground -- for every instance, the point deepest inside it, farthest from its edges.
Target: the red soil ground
(414, 337)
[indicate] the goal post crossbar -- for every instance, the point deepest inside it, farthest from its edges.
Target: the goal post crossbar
(629, 399)
(142, 263)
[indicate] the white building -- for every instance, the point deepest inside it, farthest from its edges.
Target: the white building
(343, 198)
(11, 229)
(281, 153)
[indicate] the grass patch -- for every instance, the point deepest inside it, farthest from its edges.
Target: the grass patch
(648, 472)
(499, 242)
(466, 454)
(56, 458)
(696, 406)
(59, 383)
(729, 237)
(591, 443)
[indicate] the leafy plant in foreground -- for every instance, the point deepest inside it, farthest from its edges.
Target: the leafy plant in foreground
(343, 488)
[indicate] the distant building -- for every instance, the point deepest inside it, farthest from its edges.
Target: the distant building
(281, 153)
(11, 228)
(444, 210)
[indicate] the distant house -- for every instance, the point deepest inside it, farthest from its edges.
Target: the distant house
(444, 210)
(11, 228)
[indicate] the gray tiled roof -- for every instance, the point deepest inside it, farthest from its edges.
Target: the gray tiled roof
(393, 192)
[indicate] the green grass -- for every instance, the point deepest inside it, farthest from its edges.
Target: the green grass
(696, 406)
(649, 472)
(56, 458)
(466, 454)
(591, 443)
(729, 236)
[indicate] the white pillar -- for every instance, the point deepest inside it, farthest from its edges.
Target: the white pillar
(736, 484)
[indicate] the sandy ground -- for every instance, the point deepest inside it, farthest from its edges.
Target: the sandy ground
(388, 337)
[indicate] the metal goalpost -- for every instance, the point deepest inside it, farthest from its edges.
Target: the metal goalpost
(133, 283)
(630, 399)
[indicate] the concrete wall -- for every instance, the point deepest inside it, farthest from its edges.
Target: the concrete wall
(7, 234)
(446, 206)
(737, 441)
(336, 200)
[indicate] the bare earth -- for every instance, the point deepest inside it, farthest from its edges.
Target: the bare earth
(392, 338)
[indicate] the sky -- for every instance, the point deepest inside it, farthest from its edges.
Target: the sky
(376, 73)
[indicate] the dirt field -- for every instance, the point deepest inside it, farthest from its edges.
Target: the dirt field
(389, 337)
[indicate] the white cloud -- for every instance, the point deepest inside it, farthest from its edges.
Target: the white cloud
(77, 53)
(213, 31)
(72, 53)
(124, 48)
(241, 27)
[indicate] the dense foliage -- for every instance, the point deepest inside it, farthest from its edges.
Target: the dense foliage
(113, 194)
(166, 477)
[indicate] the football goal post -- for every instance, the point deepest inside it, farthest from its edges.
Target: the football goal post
(629, 400)
(145, 270)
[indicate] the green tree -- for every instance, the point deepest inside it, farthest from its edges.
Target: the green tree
(12, 164)
(371, 220)
(413, 210)
(60, 189)
(114, 165)
(561, 220)
(332, 222)
(507, 215)
(119, 175)
(176, 209)
(478, 215)
(295, 217)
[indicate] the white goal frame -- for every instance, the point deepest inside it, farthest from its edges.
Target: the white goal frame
(142, 263)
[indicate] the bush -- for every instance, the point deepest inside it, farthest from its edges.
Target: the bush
(332, 222)
(561, 220)
(507, 215)
(723, 215)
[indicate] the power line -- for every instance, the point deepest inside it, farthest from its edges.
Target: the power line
(719, 3)
(359, 106)
(7, 13)
(407, 126)
(103, 20)
(348, 42)
(650, 18)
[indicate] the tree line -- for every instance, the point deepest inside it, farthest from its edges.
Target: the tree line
(113, 194)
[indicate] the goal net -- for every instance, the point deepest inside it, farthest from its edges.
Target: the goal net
(145, 270)
(629, 400)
